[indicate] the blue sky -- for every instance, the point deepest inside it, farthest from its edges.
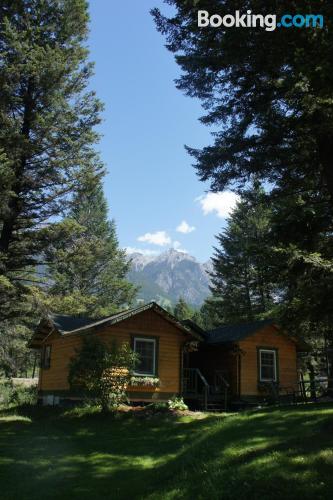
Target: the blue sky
(151, 186)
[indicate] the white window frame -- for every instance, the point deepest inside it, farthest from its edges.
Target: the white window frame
(152, 341)
(275, 366)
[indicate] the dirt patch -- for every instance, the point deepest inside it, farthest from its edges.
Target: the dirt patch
(149, 412)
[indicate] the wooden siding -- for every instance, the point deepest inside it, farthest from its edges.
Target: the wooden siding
(171, 341)
(267, 337)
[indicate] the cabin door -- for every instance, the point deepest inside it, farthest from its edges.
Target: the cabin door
(186, 359)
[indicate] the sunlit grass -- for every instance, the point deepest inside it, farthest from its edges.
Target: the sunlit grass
(284, 453)
(14, 418)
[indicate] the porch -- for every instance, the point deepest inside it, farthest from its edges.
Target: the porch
(199, 393)
(210, 376)
(218, 395)
(216, 378)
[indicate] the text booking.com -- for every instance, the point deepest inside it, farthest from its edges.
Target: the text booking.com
(269, 21)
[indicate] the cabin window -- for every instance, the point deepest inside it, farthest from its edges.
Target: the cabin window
(146, 349)
(267, 365)
(46, 356)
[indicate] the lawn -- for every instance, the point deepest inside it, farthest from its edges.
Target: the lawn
(284, 453)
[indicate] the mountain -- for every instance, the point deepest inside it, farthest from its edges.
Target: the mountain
(166, 277)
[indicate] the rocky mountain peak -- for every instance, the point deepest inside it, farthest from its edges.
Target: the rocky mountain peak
(169, 275)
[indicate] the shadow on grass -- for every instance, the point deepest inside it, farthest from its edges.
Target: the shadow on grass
(285, 453)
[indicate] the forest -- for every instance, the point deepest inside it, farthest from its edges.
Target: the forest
(266, 96)
(126, 412)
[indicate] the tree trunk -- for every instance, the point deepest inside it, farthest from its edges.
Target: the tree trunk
(15, 203)
(325, 145)
(35, 363)
(312, 382)
(248, 296)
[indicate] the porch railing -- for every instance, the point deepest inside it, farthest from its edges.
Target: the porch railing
(220, 381)
(194, 383)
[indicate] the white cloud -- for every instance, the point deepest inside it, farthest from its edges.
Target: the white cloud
(185, 228)
(222, 203)
(143, 251)
(178, 246)
(160, 238)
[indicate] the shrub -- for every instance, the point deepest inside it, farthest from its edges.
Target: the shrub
(18, 395)
(102, 373)
(177, 403)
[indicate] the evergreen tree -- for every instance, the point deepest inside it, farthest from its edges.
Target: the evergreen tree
(302, 231)
(210, 314)
(15, 359)
(47, 137)
(243, 286)
(87, 268)
(182, 310)
(269, 93)
(269, 97)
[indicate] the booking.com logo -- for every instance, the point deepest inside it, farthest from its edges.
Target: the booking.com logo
(268, 22)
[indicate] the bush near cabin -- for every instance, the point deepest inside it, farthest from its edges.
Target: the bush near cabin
(101, 372)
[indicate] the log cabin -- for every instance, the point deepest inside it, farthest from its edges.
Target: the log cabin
(235, 364)
(154, 334)
(253, 362)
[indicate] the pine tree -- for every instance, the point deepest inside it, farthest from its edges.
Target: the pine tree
(243, 286)
(15, 358)
(211, 314)
(87, 268)
(47, 137)
(268, 96)
(268, 93)
(302, 229)
(182, 310)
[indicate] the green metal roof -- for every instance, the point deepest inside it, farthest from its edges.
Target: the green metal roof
(234, 333)
(76, 324)
(71, 325)
(65, 323)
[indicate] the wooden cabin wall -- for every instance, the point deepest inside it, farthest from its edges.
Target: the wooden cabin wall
(287, 359)
(171, 341)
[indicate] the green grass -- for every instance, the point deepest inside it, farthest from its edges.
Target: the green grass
(284, 453)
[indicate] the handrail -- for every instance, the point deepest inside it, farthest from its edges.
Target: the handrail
(194, 375)
(226, 385)
(197, 372)
(206, 388)
(204, 381)
(219, 375)
(311, 388)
